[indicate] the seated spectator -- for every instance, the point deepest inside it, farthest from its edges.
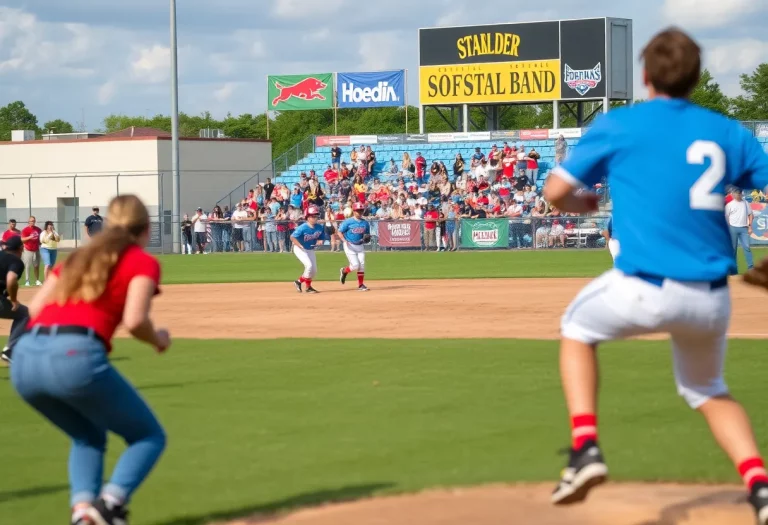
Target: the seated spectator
(553, 212)
(331, 177)
(494, 156)
(557, 235)
(483, 186)
(521, 181)
(445, 186)
(360, 189)
(344, 173)
(505, 190)
(303, 181)
(393, 170)
(362, 170)
(531, 196)
(353, 158)
(481, 170)
(434, 169)
(458, 167)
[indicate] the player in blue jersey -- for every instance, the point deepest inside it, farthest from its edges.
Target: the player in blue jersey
(304, 239)
(611, 241)
(671, 275)
(354, 233)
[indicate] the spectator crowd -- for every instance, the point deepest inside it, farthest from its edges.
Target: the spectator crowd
(499, 183)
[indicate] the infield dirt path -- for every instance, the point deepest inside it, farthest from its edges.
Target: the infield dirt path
(488, 308)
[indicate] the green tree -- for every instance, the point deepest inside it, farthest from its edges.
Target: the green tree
(16, 116)
(58, 126)
(709, 95)
(753, 104)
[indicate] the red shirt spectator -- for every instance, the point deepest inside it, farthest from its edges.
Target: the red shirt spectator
(504, 193)
(482, 201)
(508, 166)
(11, 231)
(30, 236)
(331, 175)
(507, 149)
(483, 185)
(421, 165)
(105, 313)
(430, 217)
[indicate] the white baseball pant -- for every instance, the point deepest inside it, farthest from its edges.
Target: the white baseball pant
(613, 247)
(356, 256)
(616, 306)
(309, 259)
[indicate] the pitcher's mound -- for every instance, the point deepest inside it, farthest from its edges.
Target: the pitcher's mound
(614, 504)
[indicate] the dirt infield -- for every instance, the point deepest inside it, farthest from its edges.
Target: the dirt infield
(487, 308)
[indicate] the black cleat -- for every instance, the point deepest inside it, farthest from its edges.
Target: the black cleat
(758, 498)
(362, 288)
(297, 284)
(586, 469)
(104, 513)
(311, 290)
(6, 355)
(342, 276)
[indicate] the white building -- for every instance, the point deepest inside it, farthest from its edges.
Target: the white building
(62, 180)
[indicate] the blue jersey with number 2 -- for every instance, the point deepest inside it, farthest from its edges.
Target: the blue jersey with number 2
(353, 230)
(308, 235)
(668, 162)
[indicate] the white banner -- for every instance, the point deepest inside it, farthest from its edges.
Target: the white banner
(457, 137)
(568, 133)
(363, 139)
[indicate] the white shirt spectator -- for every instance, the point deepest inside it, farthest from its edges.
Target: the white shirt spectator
(239, 215)
(200, 224)
(461, 183)
(557, 229)
(422, 201)
(418, 213)
(737, 213)
(411, 202)
(480, 171)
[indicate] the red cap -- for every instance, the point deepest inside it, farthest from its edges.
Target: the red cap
(358, 206)
(313, 210)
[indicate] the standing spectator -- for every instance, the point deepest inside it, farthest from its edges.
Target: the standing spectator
(739, 215)
(393, 170)
(226, 230)
(561, 150)
(371, 156)
(430, 227)
(353, 158)
(215, 219)
(507, 150)
(49, 247)
(11, 231)
(186, 235)
(516, 226)
(331, 177)
(30, 236)
(239, 219)
(200, 225)
(296, 197)
(314, 195)
(533, 165)
(522, 162)
(268, 189)
(407, 167)
(93, 223)
(421, 167)
(282, 228)
(477, 159)
(481, 171)
(335, 156)
(330, 229)
(458, 167)
(270, 231)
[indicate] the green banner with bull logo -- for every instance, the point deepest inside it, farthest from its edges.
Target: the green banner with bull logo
(300, 92)
(485, 233)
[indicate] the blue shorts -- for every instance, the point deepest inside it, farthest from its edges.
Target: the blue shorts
(49, 256)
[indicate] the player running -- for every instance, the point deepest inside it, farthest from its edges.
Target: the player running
(671, 274)
(354, 233)
(304, 240)
(61, 366)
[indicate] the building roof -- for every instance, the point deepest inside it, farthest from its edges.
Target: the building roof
(135, 131)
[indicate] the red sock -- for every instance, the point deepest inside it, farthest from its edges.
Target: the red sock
(583, 429)
(309, 282)
(302, 280)
(360, 277)
(753, 471)
(347, 270)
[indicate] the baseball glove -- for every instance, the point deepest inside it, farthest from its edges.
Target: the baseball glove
(366, 238)
(758, 276)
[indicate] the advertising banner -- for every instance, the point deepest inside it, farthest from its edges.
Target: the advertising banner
(390, 139)
(363, 139)
(567, 133)
(338, 140)
(485, 233)
(456, 137)
(759, 223)
(371, 90)
(503, 63)
(505, 135)
(416, 138)
(400, 234)
(300, 92)
(534, 134)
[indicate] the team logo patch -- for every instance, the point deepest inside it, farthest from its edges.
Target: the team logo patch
(582, 80)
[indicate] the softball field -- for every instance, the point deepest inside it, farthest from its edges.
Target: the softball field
(433, 399)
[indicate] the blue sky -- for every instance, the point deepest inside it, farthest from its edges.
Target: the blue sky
(69, 58)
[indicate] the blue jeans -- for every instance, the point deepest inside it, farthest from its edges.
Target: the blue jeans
(68, 379)
(741, 236)
(271, 239)
(49, 257)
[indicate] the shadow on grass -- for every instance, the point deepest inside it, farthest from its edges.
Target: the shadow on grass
(308, 499)
(163, 386)
(678, 513)
(11, 495)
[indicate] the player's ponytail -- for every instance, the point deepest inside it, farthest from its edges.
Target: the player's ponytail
(85, 273)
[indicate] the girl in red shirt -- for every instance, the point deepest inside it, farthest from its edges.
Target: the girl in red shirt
(60, 365)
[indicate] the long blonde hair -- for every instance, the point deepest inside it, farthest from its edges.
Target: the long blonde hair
(85, 273)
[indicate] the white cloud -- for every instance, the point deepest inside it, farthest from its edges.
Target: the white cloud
(306, 8)
(224, 93)
(106, 92)
(153, 64)
(694, 14)
(731, 58)
(382, 50)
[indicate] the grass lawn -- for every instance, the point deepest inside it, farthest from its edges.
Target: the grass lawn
(220, 268)
(264, 426)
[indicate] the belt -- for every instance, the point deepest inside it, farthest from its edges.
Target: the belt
(66, 330)
(659, 281)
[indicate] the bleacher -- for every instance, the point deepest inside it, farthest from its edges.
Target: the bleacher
(445, 151)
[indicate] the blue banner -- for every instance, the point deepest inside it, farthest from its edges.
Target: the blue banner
(371, 90)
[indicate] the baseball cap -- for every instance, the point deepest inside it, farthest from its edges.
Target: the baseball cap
(199, 209)
(358, 206)
(13, 243)
(313, 210)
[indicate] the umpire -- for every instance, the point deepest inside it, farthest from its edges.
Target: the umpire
(11, 269)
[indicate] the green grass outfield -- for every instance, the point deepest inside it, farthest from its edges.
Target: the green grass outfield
(263, 426)
(261, 267)
(270, 426)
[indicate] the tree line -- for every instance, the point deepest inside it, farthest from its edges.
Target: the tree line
(288, 128)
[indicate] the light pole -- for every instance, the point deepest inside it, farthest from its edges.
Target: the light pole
(176, 182)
